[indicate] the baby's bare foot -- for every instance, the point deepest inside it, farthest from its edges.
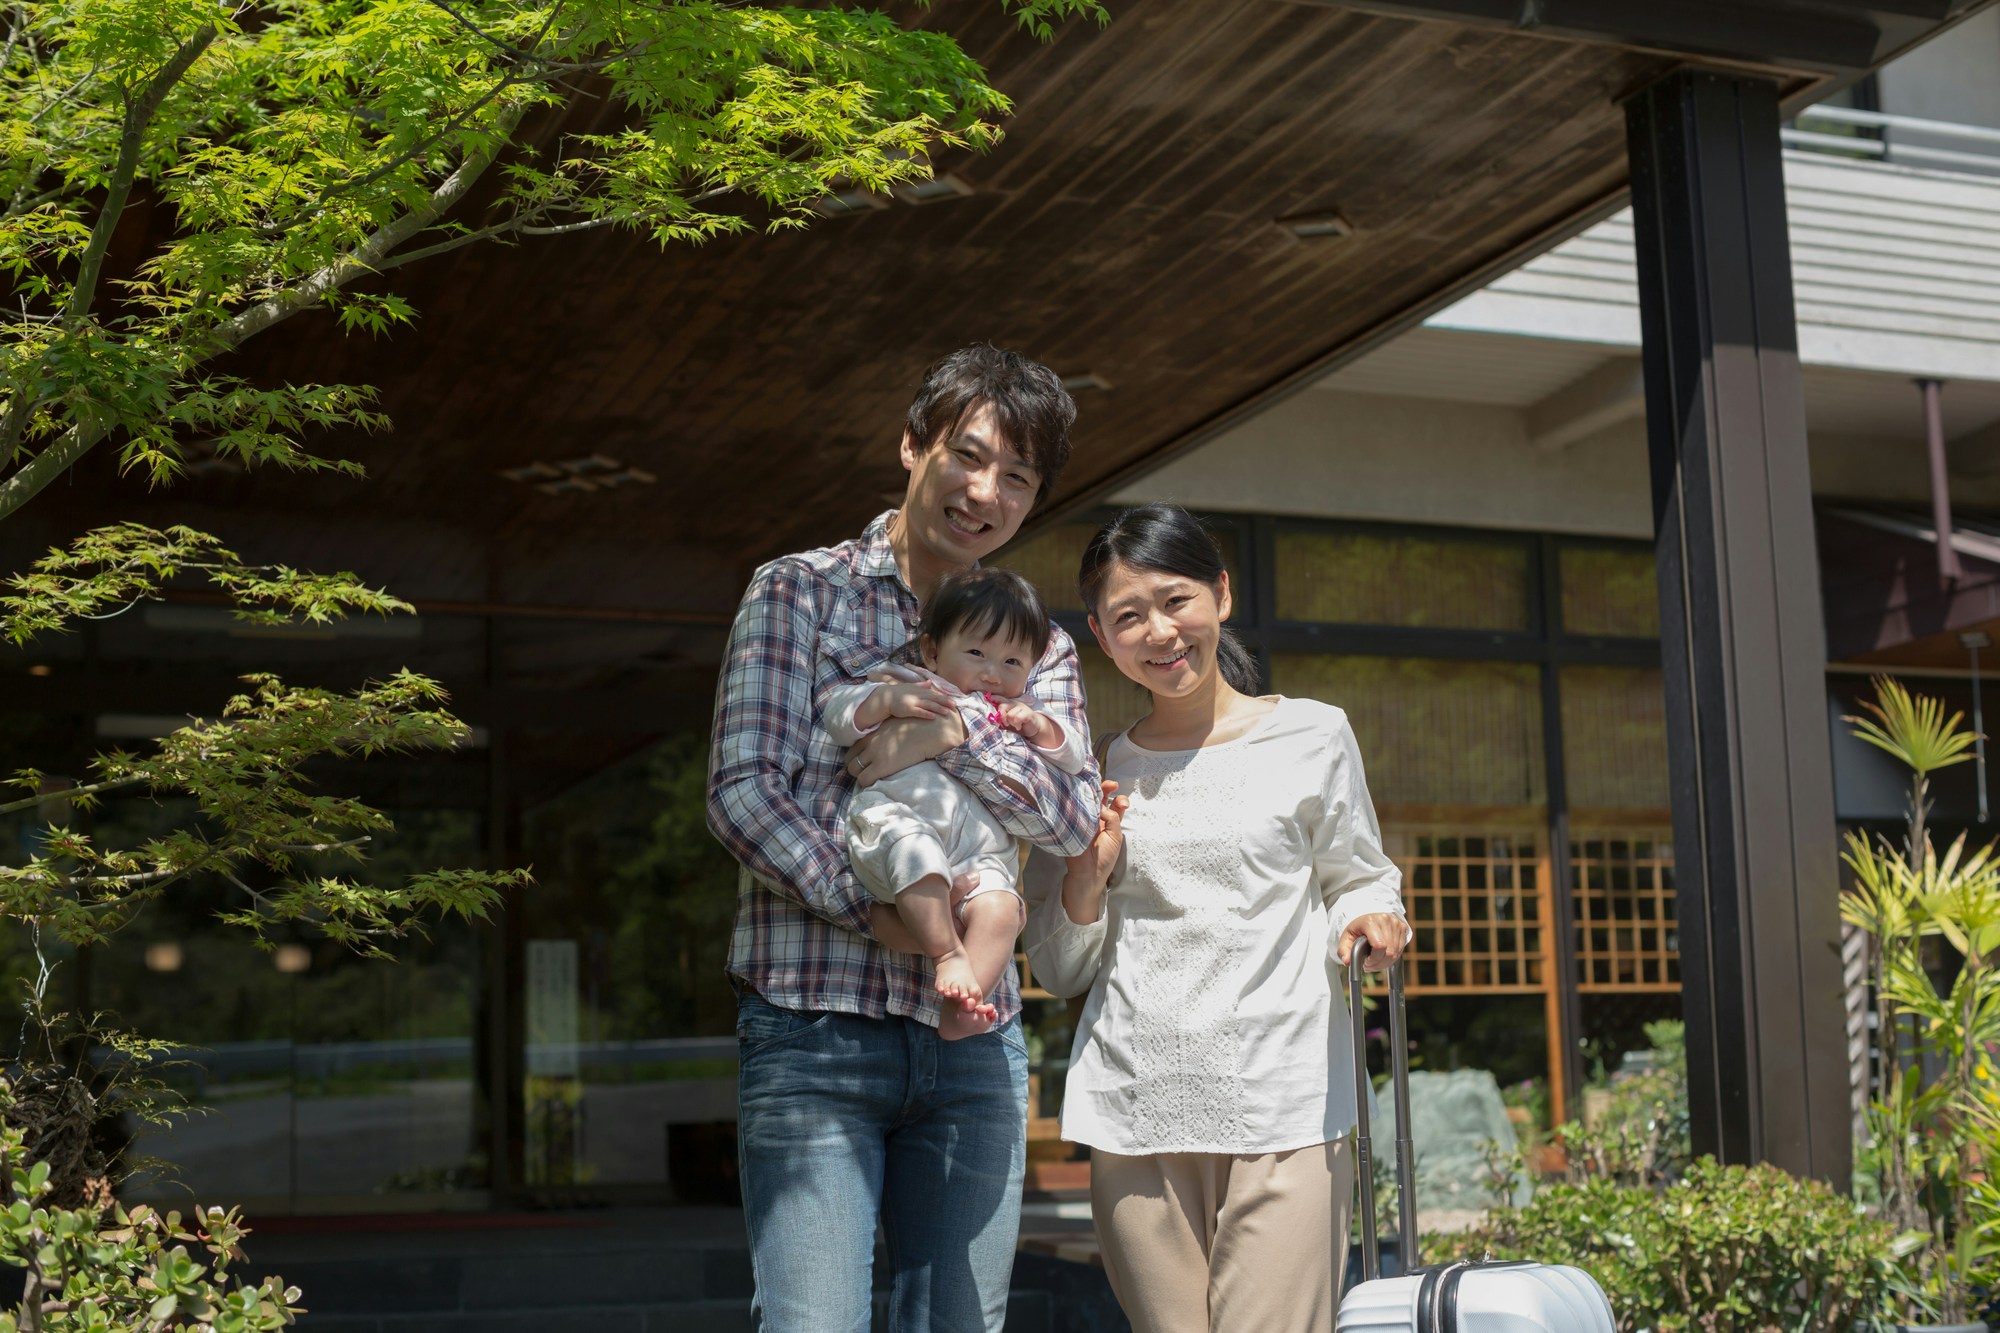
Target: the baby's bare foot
(954, 1024)
(957, 981)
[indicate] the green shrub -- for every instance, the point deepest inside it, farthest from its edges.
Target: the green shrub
(1727, 1249)
(103, 1268)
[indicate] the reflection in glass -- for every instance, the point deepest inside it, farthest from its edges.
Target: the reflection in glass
(316, 1079)
(631, 1046)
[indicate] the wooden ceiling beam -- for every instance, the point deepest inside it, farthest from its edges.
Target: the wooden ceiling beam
(1840, 37)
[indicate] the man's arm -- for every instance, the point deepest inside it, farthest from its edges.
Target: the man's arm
(1031, 797)
(763, 720)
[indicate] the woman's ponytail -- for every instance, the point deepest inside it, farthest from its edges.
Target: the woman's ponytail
(1239, 668)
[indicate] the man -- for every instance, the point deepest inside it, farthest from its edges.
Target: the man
(850, 1107)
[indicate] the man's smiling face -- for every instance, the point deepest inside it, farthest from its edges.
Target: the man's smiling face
(968, 492)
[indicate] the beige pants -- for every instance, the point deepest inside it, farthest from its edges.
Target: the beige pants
(1209, 1243)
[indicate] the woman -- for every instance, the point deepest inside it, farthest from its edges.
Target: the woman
(1212, 1070)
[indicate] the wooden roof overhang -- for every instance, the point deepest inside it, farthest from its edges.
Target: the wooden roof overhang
(1126, 228)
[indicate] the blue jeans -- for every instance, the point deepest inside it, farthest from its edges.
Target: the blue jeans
(844, 1119)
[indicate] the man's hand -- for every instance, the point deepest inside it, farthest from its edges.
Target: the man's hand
(1386, 934)
(901, 742)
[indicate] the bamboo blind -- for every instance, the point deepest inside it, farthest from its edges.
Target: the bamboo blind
(1354, 578)
(1433, 731)
(1609, 591)
(1614, 722)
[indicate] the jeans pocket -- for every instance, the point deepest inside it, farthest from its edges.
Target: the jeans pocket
(1014, 1037)
(761, 1025)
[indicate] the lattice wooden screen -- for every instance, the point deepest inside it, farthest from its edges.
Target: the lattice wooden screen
(1479, 905)
(1627, 936)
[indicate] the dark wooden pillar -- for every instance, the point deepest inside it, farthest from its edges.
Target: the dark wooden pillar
(1740, 627)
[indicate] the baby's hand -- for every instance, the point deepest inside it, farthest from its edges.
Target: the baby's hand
(1039, 728)
(913, 699)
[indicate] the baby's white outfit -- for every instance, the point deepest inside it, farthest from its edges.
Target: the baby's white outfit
(922, 821)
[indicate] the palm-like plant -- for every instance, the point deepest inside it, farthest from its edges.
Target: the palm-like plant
(1934, 1123)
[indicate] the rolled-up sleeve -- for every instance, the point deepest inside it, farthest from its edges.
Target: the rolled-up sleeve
(1356, 877)
(1063, 955)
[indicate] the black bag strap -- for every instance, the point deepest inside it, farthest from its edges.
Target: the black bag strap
(1364, 1160)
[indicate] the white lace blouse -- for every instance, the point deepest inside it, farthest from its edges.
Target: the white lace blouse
(1215, 1020)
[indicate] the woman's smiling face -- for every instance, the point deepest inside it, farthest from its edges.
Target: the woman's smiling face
(1161, 629)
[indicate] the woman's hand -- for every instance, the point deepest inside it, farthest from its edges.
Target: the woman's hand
(1386, 934)
(1086, 874)
(901, 743)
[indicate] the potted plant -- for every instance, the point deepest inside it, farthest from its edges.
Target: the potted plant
(1933, 1127)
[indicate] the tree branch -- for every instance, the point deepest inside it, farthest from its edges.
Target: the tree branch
(68, 793)
(138, 879)
(51, 463)
(138, 115)
(78, 440)
(325, 846)
(366, 257)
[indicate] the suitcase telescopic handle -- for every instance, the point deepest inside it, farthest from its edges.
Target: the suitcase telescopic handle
(1399, 1074)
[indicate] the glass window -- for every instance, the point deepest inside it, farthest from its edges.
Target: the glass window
(1615, 738)
(319, 1080)
(629, 1021)
(1609, 591)
(1422, 582)
(1476, 902)
(1433, 731)
(1627, 928)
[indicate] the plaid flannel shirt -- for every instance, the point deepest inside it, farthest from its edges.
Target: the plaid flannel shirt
(778, 790)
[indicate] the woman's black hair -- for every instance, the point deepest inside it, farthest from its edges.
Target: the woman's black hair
(987, 601)
(1166, 539)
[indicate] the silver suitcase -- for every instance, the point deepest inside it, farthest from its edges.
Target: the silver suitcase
(1488, 1297)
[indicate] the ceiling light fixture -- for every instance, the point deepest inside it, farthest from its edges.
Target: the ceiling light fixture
(579, 476)
(842, 203)
(932, 191)
(1311, 226)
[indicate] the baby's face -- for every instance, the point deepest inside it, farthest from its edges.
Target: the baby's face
(981, 663)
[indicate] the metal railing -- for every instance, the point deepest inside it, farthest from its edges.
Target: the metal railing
(1891, 148)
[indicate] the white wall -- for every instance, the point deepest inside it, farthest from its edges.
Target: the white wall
(1955, 77)
(1325, 454)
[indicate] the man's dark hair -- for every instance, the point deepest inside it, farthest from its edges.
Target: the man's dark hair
(986, 601)
(1029, 403)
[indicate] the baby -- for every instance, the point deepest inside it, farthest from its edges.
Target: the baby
(913, 833)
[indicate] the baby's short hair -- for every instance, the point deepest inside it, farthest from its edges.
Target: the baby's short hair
(986, 601)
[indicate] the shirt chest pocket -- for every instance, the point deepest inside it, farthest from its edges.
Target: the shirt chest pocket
(853, 658)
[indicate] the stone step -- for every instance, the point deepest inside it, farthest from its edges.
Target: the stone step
(1027, 1312)
(682, 1270)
